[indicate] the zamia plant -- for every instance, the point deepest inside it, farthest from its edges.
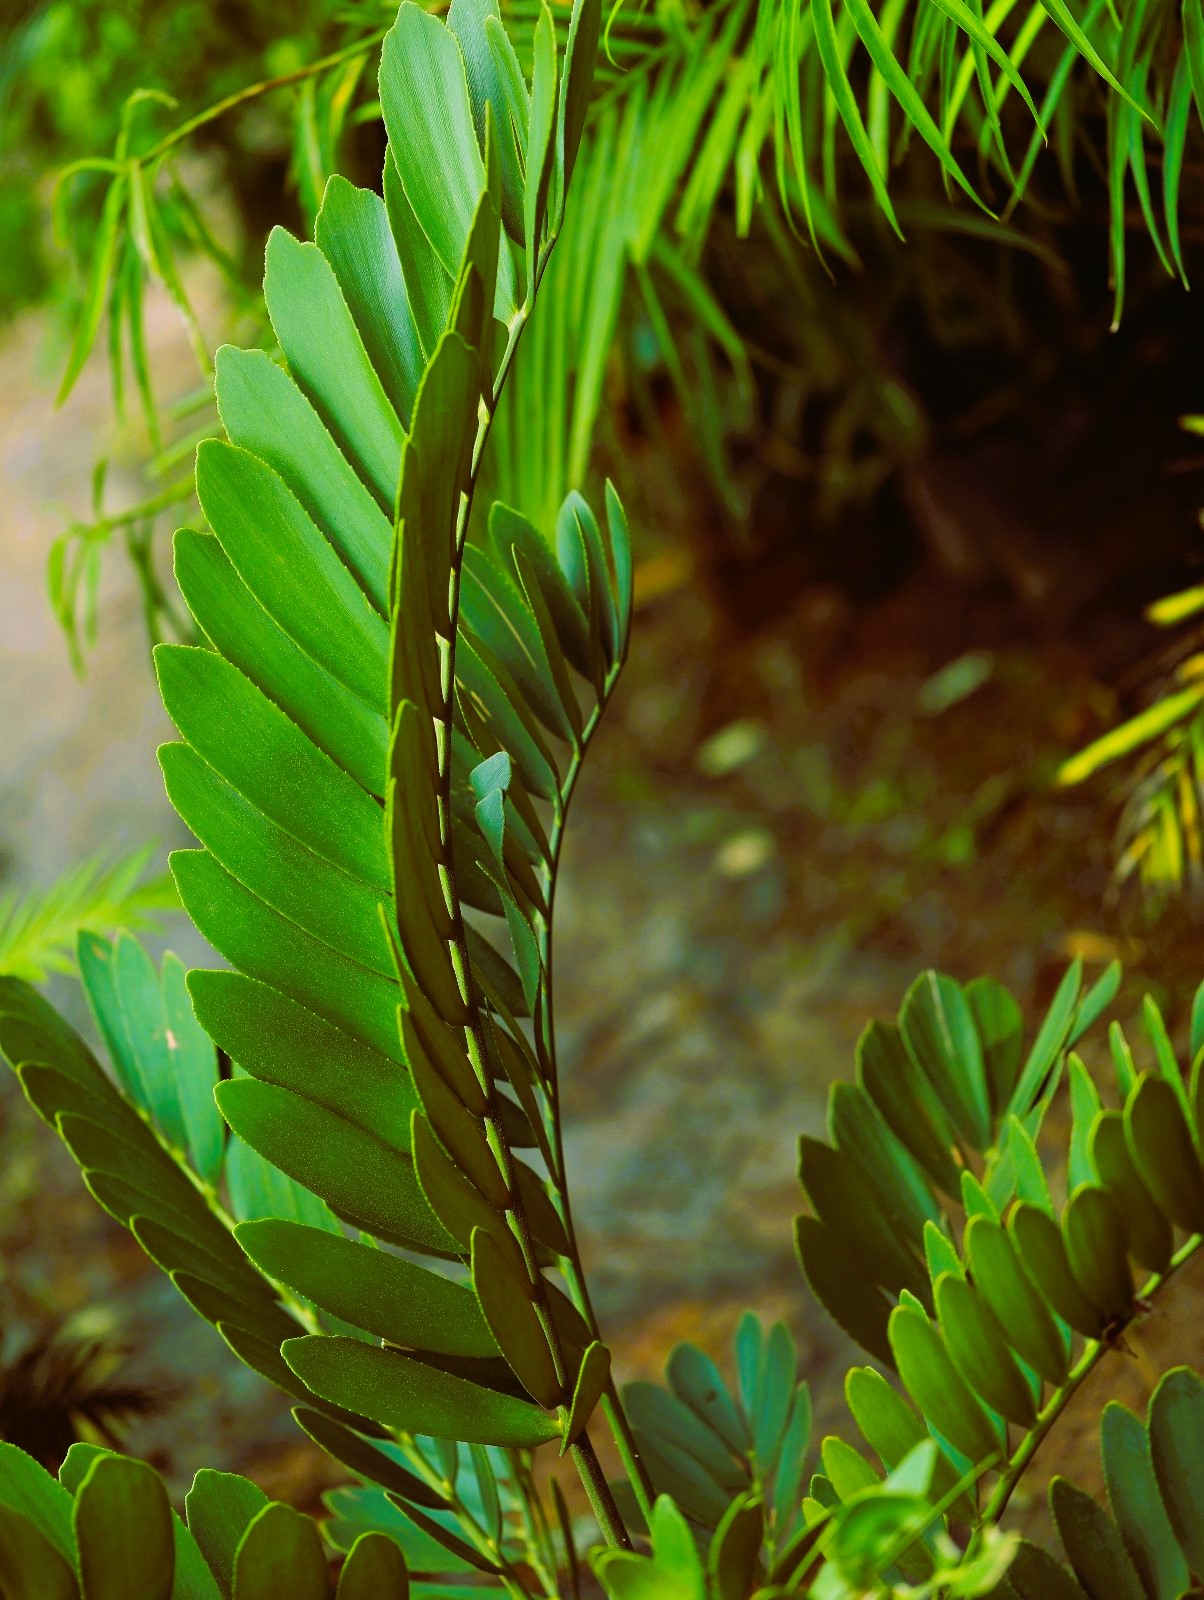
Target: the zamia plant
(380, 736)
(345, 1146)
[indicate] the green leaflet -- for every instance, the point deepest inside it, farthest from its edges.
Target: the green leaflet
(352, 734)
(1000, 1027)
(1096, 1241)
(939, 1390)
(123, 1532)
(939, 1031)
(505, 1300)
(127, 1002)
(194, 1066)
(354, 1171)
(334, 908)
(280, 1552)
(1137, 1505)
(1163, 1151)
(265, 756)
(428, 282)
(1147, 1226)
(35, 1569)
(540, 154)
(980, 1352)
(495, 79)
(374, 1567)
(363, 1458)
(1042, 1248)
(326, 357)
(279, 1041)
(1093, 1544)
(266, 946)
(592, 1380)
(220, 1507)
(296, 576)
(1036, 1575)
(859, 1307)
(1050, 1039)
(382, 1293)
(354, 235)
(400, 1392)
(265, 413)
(909, 1109)
(424, 96)
(30, 1491)
(1176, 1429)
(894, 1428)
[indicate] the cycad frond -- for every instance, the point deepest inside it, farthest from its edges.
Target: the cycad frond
(934, 1239)
(380, 745)
(1149, 1539)
(105, 1526)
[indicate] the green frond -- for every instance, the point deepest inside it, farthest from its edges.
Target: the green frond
(39, 927)
(106, 1528)
(1148, 1539)
(934, 1240)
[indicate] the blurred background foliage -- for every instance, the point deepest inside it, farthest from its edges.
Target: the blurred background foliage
(740, 303)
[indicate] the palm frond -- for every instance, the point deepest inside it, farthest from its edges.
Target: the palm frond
(39, 927)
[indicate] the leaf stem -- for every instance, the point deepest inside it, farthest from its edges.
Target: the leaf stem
(600, 1498)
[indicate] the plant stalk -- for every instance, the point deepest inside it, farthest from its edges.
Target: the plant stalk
(600, 1498)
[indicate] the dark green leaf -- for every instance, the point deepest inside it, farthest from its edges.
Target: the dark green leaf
(280, 1553)
(373, 1289)
(1093, 1545)
(403, 1393)
(123, 1531)
(1176, 1427)
(356, 1173)
(375, 1568)
(506, 1302)
(1042, 1248)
